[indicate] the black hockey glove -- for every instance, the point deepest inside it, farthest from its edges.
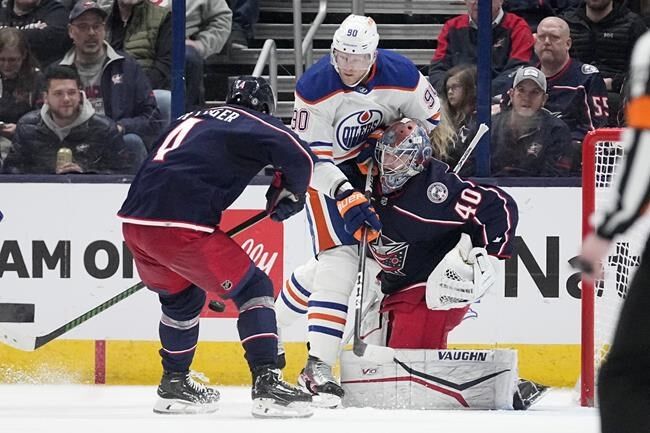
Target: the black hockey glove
(280, 202)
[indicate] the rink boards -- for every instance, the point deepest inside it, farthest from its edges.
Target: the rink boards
(61, 249)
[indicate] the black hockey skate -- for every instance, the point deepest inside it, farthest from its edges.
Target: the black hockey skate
(179, 394)
(275, 398)
(318, 379)
(527, 393)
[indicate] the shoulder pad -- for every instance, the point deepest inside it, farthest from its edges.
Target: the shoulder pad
(589, 69)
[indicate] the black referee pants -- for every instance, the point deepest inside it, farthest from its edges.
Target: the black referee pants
(624, 379)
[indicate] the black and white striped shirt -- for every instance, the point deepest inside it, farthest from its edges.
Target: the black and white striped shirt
(632, 185)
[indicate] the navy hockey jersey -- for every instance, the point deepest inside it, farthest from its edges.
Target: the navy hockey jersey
(205, 161)
(424, 220)
(577, 94)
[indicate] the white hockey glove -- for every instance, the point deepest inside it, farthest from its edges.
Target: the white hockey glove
(462, 277)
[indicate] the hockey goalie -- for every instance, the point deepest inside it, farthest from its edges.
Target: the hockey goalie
(438, 253)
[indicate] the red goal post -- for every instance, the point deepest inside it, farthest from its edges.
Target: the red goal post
(590, 169)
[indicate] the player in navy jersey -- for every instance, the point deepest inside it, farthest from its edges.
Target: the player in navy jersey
(171, 225)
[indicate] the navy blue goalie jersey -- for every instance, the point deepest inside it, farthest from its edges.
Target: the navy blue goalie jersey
(204, 162)
(425, 219)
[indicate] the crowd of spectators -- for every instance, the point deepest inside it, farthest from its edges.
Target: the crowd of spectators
(581, 49)
(512, 45)
(122, 52)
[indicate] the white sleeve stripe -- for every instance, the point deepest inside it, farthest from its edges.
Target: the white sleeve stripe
(428, 220)
(632, 186)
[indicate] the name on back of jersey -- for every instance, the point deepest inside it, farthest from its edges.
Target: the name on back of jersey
(220, 113)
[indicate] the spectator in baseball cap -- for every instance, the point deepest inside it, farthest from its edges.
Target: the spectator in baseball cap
(83, 6)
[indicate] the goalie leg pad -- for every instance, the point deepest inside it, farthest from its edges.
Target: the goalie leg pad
(432, 379)
(411, 325)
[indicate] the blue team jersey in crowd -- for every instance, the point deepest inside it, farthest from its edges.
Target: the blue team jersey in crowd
(424, 220)
(204, 162)
(577, 95)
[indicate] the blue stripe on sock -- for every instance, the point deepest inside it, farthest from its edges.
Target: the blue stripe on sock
(290, 305)
(299, 287)
(325, 330)
(330, 305)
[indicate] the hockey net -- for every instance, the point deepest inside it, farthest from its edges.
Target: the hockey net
(602, 151)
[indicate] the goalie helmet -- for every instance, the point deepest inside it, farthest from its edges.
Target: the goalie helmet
(354, 45)
(252, 92)
(402, 152)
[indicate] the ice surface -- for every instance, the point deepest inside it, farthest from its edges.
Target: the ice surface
(128, 409)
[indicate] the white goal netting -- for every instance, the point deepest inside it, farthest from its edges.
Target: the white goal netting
(599, 318)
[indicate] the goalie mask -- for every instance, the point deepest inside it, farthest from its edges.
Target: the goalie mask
(354, 48)
(401, 153)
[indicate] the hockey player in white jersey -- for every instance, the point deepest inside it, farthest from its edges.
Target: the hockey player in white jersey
(339, 101)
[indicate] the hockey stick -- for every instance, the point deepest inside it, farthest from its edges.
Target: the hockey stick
(30, 343)
(482, 129)
(379, 354)
(382, 354)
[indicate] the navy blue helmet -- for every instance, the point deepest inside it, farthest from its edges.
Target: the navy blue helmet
(252, 92)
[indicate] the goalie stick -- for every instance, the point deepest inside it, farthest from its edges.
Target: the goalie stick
(482, 129)
(383, 354)
(30, 343)
(379, 354)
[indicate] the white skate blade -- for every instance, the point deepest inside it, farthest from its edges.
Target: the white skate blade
(174, 406)
(269, 408)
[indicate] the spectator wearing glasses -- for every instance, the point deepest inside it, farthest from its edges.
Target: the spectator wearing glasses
(113, 81)
(458, 103)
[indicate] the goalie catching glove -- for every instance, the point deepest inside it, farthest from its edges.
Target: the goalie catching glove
(356, 210)
(462, 277)
(280, 202)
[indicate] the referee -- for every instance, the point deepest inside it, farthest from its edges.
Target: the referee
(624, 379)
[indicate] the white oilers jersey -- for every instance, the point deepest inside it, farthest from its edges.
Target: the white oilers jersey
(335, 119)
